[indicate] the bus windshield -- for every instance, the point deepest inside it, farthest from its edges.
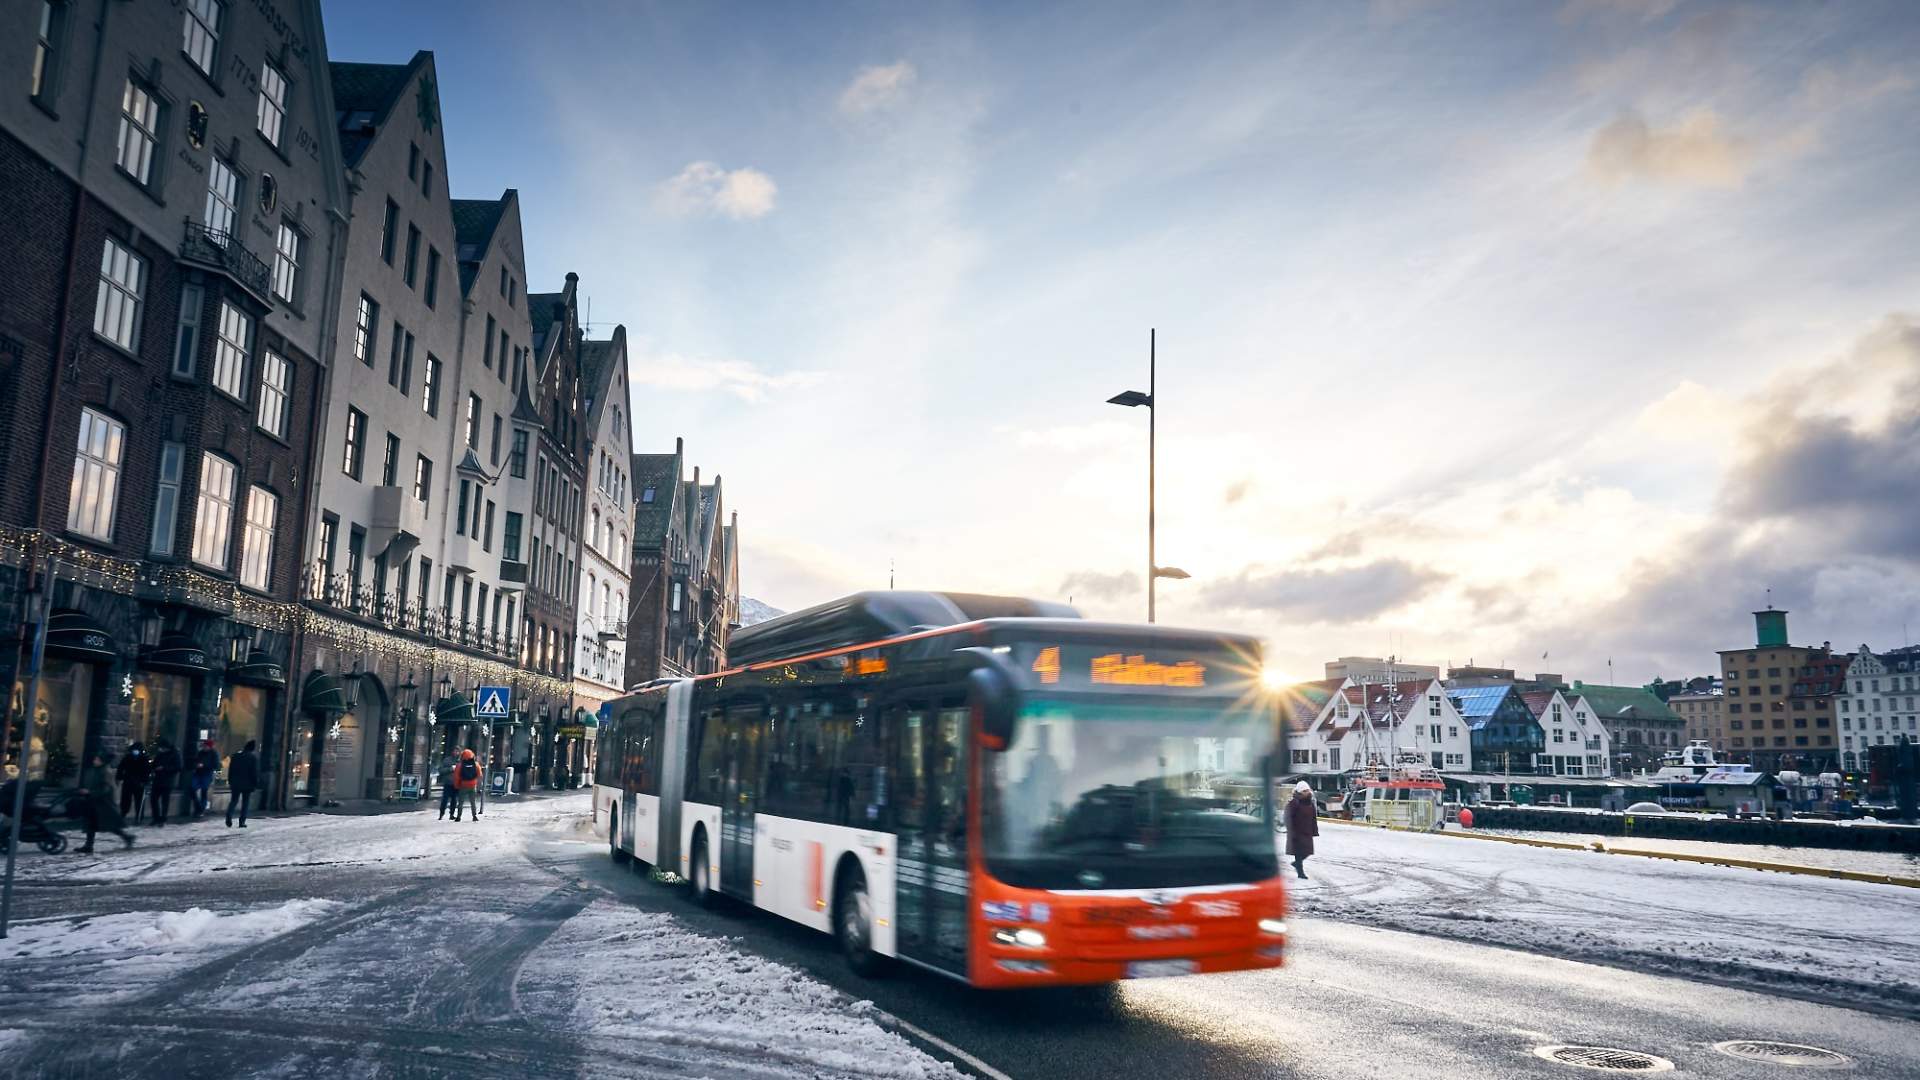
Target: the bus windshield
(1098, 793)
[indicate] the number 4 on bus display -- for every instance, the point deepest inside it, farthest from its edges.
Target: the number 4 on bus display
(1047, 664)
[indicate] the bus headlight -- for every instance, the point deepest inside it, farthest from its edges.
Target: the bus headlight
(1273, 926)
(1023, 937)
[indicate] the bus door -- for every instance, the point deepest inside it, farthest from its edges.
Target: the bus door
(745, 718)
(930, 762)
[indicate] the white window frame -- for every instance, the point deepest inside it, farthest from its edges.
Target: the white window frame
(200, 36)
(232, 351)
(270, 113)
(93, 496)
(213, 511)
(139, 132)
(166, 498)
(223, 198)
(366, 329)
(286, 263)
(118, 303)
(276, 393)
(256, 545)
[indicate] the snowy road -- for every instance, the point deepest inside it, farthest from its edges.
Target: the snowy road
(398, 947)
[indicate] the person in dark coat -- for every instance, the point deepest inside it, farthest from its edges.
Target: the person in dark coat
(166, 772)
(132, 772)
(449, 795)
(1303, 824)
(92, 803)
(206, 765)
(243, 779)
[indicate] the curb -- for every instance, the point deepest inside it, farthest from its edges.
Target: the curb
(1708, 860)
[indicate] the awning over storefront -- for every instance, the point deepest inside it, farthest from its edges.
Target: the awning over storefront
(177, 653)
(77, 636)
(259, 670)
(323, 693)
(453, 709)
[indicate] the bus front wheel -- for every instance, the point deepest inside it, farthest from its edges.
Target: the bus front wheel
(701, 872)
(853, 924)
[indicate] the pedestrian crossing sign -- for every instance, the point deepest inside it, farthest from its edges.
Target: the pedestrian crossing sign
(494, 701)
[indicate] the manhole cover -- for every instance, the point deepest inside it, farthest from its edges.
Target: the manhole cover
(1791, 1055)
(1606, 1058)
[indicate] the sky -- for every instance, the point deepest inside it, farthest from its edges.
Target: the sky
(1535, 334)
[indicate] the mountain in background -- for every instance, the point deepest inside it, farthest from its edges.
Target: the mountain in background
(753, 611)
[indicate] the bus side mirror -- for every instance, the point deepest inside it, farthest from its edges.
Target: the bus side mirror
(991, 693)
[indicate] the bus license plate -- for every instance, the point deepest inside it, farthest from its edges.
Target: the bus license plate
(1154, 969)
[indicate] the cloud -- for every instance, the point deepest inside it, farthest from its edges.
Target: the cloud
(1345, 595)
(1099, 586)
(1238, 490)
(1076, 438)
(877, 88)
(673, 371)
(706, 189)
(1692, 153)
(1642, 10)
(1342, 545)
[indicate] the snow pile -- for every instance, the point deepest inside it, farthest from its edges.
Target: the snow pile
(146, 933)
(1846, 942)
(645, 982)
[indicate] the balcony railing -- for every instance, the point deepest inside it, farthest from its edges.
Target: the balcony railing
(396, 612)
(222, 251)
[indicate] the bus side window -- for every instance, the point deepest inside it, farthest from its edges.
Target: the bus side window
(859, 790)
(909, 775)
(709, 768)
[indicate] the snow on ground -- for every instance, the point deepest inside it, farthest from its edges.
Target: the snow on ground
(643, 978)
(109, 957)
(300, 840)
(1845, 941)
(1897, 864)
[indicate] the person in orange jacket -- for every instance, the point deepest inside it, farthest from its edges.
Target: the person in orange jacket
(466, 785)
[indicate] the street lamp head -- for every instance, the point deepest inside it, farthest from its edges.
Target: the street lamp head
(1131, 398)
(1171, 572)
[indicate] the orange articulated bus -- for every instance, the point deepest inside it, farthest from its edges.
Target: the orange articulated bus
(989, 788)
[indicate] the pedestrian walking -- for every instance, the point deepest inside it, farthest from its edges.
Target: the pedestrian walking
(92, 803)
(166, 772)
(243, 779)
(481, 792)
(1303, 824)
(206, 765)
(466, 781)
(449, 795)
(132, 773)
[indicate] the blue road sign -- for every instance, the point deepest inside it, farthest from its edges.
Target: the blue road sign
(494, 701)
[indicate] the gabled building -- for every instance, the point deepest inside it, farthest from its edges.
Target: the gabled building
(1358, 724)
(686, 572)
(1505, 736)
(1574, 743)
(1880, 704)
(1640, 728)
(171, 206)
(600, 667)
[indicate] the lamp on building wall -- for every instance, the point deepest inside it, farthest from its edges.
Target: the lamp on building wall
(150, 624)
(352, 688)
(238, 648)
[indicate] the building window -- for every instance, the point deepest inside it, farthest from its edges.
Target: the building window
(487, 342)
(96, 475)
(390, 465)
(271, 114)
(413, 161)
(366, 329)
(202, 34)
(399, 359)
(356, 442)
(510, 538)
(502, 370)
(413, 255)
(116, 307)
(139, 127)
(646, 494)
(426, 581)
(286, 264)
(276, 392)
(493, 449)
(388, 227)
(166, 497)
(473, 421)
(213, 515)
(426, 179)
(329, 537)
(460, 519)
(433, 275)
(232, 350)
(46, 48)
(223, 197)
(517, 460)
(430, 387)
(486, 536)
(256, 544)
(186, 348)
(422, 479)
(675, 603)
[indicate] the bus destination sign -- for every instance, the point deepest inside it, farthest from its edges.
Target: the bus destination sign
(1102, 666)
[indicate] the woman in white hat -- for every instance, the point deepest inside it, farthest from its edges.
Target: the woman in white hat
(1303, 824)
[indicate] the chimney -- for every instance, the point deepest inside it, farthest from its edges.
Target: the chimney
(1770, 628)
(679, 445)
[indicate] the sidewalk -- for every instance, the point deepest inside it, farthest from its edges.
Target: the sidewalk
(429, 801)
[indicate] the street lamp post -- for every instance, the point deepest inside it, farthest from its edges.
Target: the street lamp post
(1130, 399)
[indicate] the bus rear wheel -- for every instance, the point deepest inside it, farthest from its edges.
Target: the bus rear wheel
(701, 873)
(613, 836)
(853, 924)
